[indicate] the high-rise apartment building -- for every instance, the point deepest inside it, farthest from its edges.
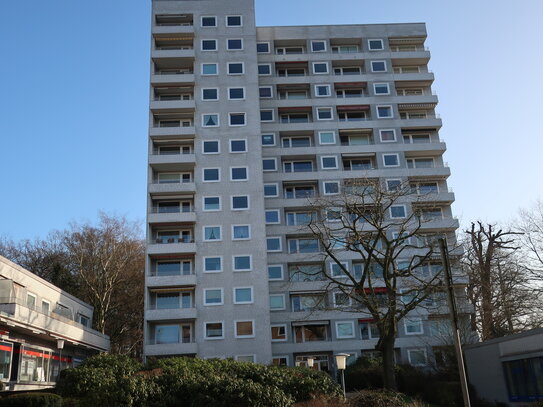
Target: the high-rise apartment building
(246, 124)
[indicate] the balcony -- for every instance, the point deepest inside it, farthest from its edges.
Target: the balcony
(162, 161)
(180, 280)
(175, 247)
(180, 187)
(170, 314)
(172, 349)
(161, 105)
(176, 52)
(173, 23)
(171, 217)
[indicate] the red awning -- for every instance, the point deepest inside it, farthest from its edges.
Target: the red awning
(376, 290)
(351, 108)
(366, 320)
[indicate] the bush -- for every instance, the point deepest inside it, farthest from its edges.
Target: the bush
(378, 398)
(324, 401)
(32, 400)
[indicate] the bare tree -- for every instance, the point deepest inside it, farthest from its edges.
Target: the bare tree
(392, 248)
(531, 226)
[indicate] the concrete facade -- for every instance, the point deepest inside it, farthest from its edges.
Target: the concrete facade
(306, 95)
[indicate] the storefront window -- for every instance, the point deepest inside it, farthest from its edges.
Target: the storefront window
(34, 365)
(6, 350)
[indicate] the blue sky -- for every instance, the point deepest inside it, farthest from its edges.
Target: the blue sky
(74, 81)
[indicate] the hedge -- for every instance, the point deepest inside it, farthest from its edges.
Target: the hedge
(31, 400)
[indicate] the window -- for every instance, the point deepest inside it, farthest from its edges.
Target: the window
(210, 120)
(277, 302)
(420, 162)
(298, 166)
(235, 68)
(236, 93)
(263, 47)
(209, 21)
(209, 45)
(241, 232)
(243, 295)
(397, 211)
(240, 203)
(345, 329)
(213, 296)
(234, 21)
(265, 92)
(413, 326)
(212, 203)
(329, 162)
(345, 48)
(416, 138)
(174, 178)
(384, 112)
(174, 268)
(381, 89)
(266, 115)
(375, 45)
(166, 334)
(238, 146)
(320, 68)
(273, 244)
(303, 245)
(45, 307)
(269, 164)
(275, 272)
(322, 90)
(85, 321)
(310, 333)
(212, 264)
(237, 119)
(239, 174)
(271, 190)
(214, 330)
(244, 329)
(423, 188)
(234, 44)
(378, 66)
(211, 174)
(264, 69)
(31, 301)
(289, 142)
(348, 70)
(393, 184)
(273, 217)
(289, 50)
(341, 300)
(210, 69)
(268, 139)
(300, 192)
(391, 160)
(324, 113)
(279, 333)
(327, 137)
(210, 94)
(417, 357)
(387, 136)
(246, 358)
(318, 46)
(331, 187)
(242, 263)
(300, 218)
(369, 330)
(212, 233)
(210, 147)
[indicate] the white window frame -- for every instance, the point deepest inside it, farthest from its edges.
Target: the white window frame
(327, 132)
(273, 115)
(274, 139)
(234, 49)
(214, 304)
(269, 47)
(31, 294)
(376, 49)
(208, 50)
(324, 86)
(384, 117)
(250, 256)
(331, 268)
(237, 113)
(284, 302)
(239, 180)
(265, 74)
(282, 272)
(235, 62)
(320, 73)
(209, 74)
(329, 168)
(397, 160)
(381, 84)
(218, 145)
(276, 189)
(216, 337)
(208, 26)
(331, 182)
(49, 304)
(237, 139)
(270, 159)
(245, 238)
(280, 326)
(380, 60)
(240, 209)
(334, 301)
(387, 141)
(209, 114)
(234, 301)
(392, 179)
(252, 321)
(322, 108)
(238, 358)
(406, 319)
(209, 100)
(277, 211)
(211, 210)
(236, 87)
(280, 244)
(204, 258)
(398, 217)
(338, 336)
(265, 87)
(233, 15)
(323, 41)
(212, 240)
(211, 168)
(417, 350)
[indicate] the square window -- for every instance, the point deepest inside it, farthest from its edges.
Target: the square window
(384, 112)
(387, 136)
(212, 264)
(269, 164)
(397, 211)
(345, 329)
(210, 147)
(378, 66)
(240, 203)
(264, 69)
(279, 333)
(417, 357)
(212, 203)
(214, 330)
(391, 160)
(263, 47)
(320, 67)
(235, 68)
(239, 174)
(381, 89)
(246, 358)
(234, 44)
(327, 137)
(210, 120)
(273, 217)
(238, 146)
(212, 233)
(244, 329)
(233, 21)
(210, 94)
(275, 272)
(265, 92)
(273, 244)
(243, 295)
(268, 139)
(375, 45)
(237, 119)
(318, 46)
(209, 45)
(236, 93)
(241, 232)
(271, 190)
(322, 90)
(331, 187)
(413, 326)
(210, 21)
(329, 163)
(213, 296)
(210, 69)
(277, 302)
(324, 113)
(266, 115)
(393, 184)
(242, 263)
(211, 174)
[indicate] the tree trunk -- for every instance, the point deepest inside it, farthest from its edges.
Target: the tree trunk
(387, 355)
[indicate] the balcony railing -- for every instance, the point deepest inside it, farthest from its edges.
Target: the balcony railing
(170, 240)
(408, 48)
(175, 72)
(177, 209)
